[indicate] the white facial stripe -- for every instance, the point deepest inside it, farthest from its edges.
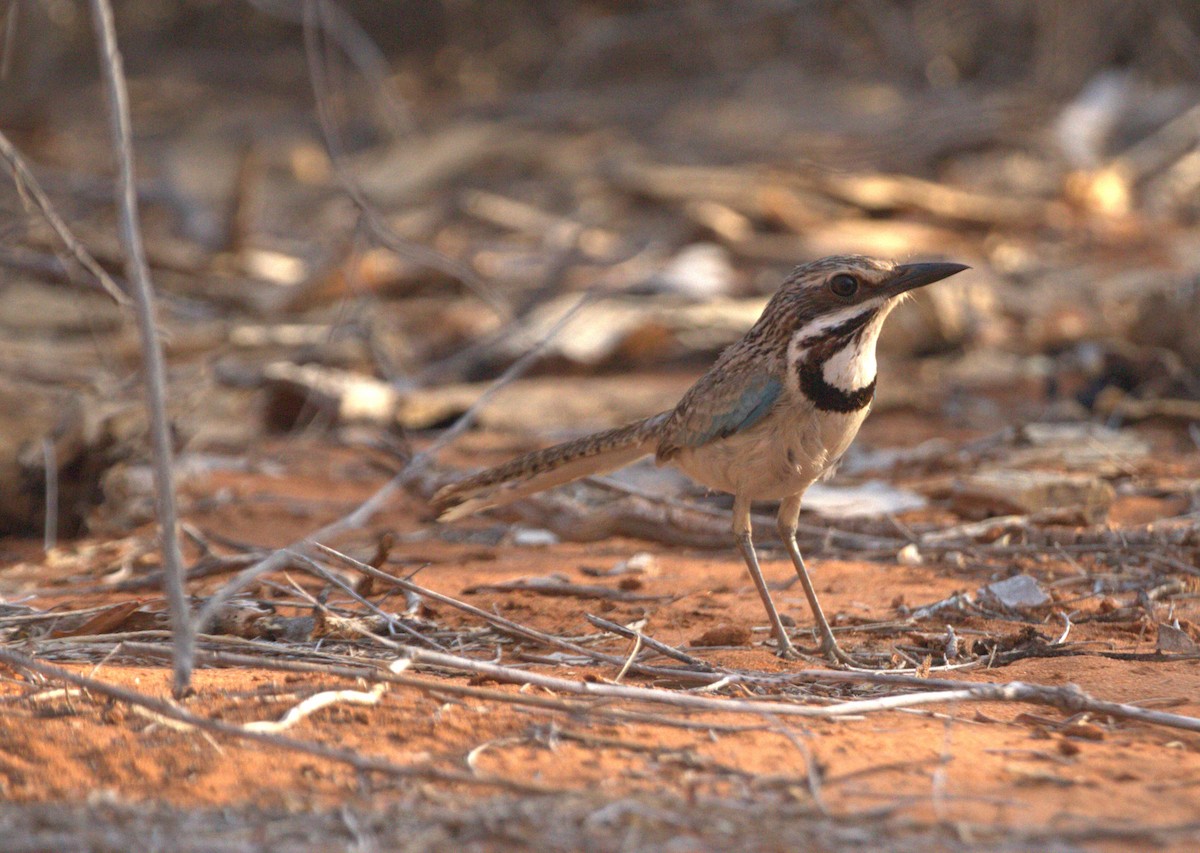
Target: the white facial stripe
(820, 325)
(816, 327)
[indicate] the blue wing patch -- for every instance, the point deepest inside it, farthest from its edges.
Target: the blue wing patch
(749, 408)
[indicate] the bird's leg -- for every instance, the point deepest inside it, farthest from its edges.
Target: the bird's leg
(742, 531)
(789, 517)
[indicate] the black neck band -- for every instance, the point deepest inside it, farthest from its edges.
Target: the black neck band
(811, 371)
(829, 398)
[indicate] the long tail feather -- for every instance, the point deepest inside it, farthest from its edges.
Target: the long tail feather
(545, 469)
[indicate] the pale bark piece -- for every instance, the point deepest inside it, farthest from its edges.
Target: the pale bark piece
(529, 406)
(1006, 492)
(1172, 639)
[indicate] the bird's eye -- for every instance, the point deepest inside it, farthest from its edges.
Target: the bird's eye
(844, 285)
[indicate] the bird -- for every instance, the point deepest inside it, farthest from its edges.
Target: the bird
(773, 414)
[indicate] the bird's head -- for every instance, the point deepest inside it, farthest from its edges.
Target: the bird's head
(824, 293)
(830, 313)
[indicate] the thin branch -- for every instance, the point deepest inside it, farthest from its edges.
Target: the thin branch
(138, 275)
(356, 43)
(1067, 698)
(50, 465)
(316, 21)
(28, 185)
(174, 712)
(315, 703)
(651, 643)
(411, 471)
(371, 671)
(516, 628)
(395, 624)
(368, 670)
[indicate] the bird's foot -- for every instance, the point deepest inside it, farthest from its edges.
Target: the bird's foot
(839, 659)
(833, 653)
(787, 651)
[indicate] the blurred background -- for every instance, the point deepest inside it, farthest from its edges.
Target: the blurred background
(358, 212)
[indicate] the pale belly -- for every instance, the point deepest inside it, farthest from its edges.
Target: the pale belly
(780, 456)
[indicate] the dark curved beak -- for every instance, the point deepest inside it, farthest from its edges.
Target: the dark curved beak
(909, 276)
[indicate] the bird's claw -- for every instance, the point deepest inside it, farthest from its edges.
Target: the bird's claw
(831, 654)
(840, 659)
(787, 651)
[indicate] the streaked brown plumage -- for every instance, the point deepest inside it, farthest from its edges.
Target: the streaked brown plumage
(773, 414)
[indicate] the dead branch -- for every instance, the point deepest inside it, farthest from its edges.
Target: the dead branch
(650, 642)
(315, 703)
(391, 621)
(357, 44)
(560, 587)
(371, 671)
(367, 670)
(138, 276)
(1069, 699)
(171, 711)
(27, 184)
(507, 625)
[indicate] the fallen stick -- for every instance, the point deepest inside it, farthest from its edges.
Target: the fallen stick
(556, 587)
(1067, 698)
(511, 627)
(315, 703)
(356, 760)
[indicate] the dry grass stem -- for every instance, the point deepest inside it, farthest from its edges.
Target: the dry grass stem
(138, 275)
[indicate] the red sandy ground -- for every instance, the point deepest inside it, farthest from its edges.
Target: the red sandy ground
(972, 772)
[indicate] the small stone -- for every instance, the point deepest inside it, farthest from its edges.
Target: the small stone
(1020, 592)
(1172, 639)
(533, 537)
(1086, 731)
(641, 563)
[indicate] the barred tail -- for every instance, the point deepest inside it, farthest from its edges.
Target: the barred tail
(545, 469)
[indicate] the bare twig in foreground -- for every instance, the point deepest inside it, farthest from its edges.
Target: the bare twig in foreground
(138, 275)
(174, 712)
(27, 184)
(315, 703)
(511, 627)
(1067, 698)
(415, 468)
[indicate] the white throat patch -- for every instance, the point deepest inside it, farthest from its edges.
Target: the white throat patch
(853, 366)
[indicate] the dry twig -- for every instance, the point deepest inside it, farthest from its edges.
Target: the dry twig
(174, 712)
(138, 276)
(1067, 698)
(27, 184)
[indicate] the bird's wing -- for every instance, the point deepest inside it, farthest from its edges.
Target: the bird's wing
(717, 406)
